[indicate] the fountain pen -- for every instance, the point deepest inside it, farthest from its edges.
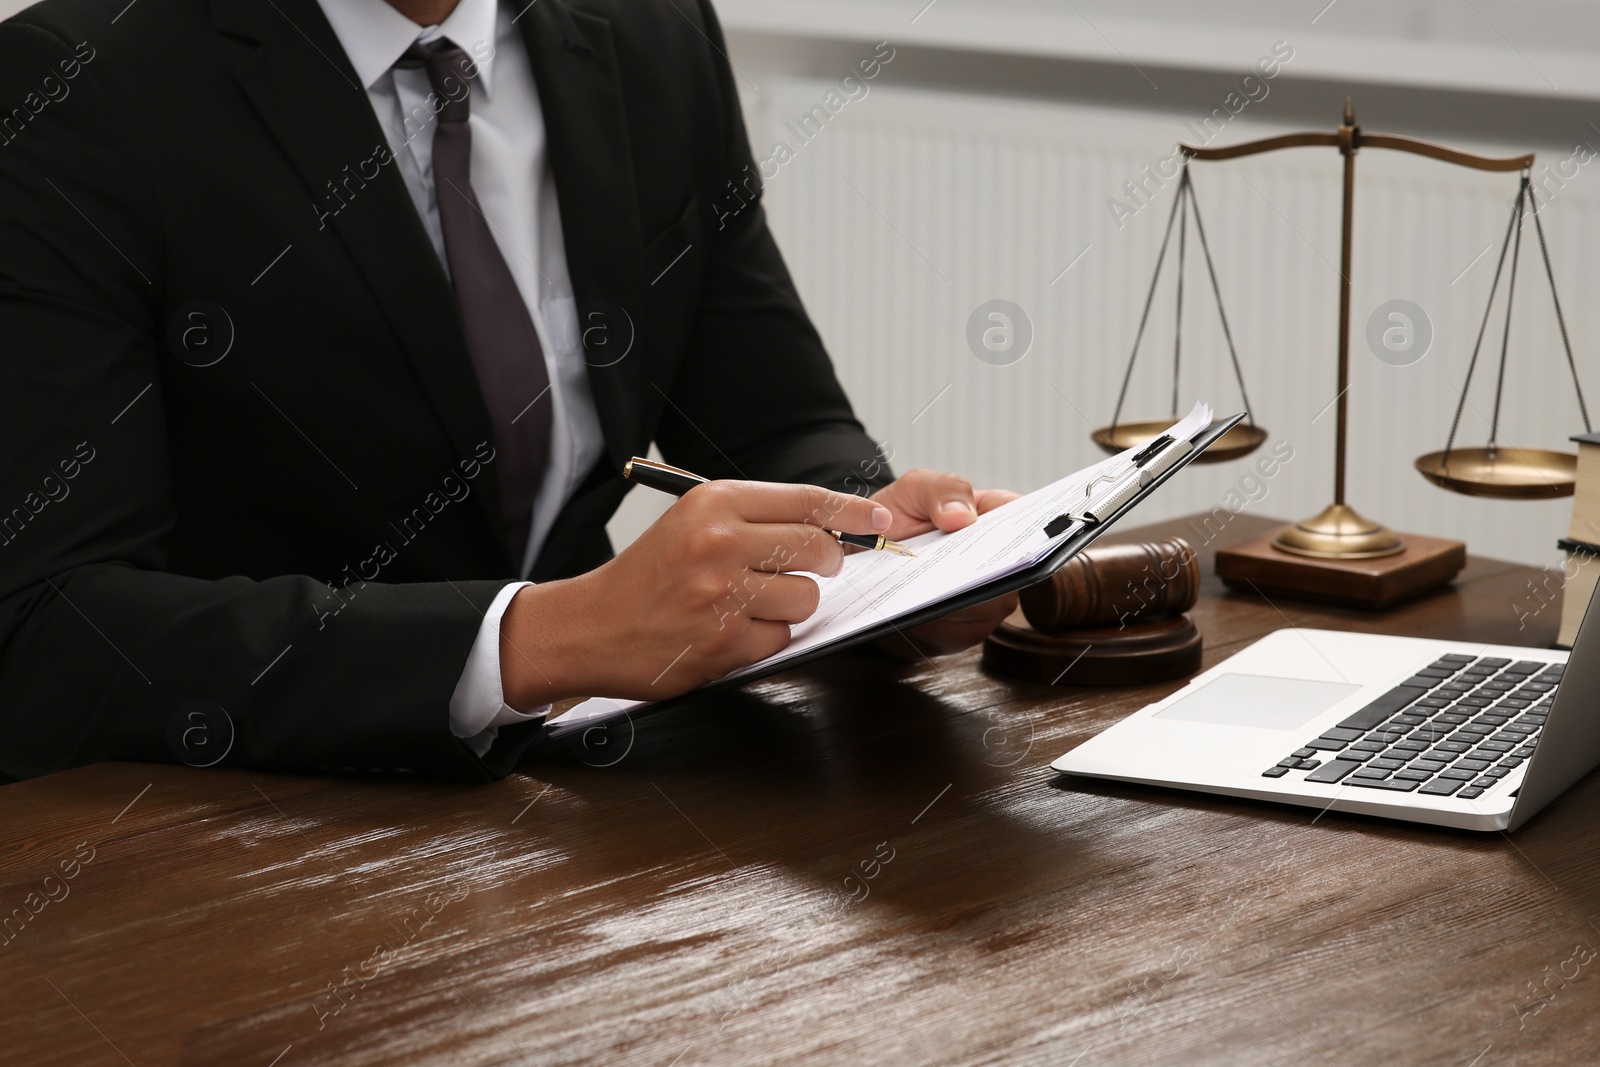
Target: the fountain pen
(678, 481)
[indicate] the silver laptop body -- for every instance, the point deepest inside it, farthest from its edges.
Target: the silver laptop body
(1324, 718)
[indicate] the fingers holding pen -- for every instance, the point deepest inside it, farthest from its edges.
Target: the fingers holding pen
(772, 502)
(776, 528)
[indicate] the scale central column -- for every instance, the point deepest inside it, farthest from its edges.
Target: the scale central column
(1339, 531)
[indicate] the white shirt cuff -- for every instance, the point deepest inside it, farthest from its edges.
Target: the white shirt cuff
(478, 705)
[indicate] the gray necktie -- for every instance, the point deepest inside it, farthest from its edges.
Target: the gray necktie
(500, 335)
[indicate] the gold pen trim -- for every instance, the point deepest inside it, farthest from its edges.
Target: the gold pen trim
(882, 544)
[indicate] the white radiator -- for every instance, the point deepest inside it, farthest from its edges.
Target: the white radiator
(907, 209)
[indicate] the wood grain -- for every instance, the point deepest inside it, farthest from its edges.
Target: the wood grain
(690, 904)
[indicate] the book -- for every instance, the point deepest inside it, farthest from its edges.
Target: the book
(1580, 573)
(1581, 567)
(1585, 525)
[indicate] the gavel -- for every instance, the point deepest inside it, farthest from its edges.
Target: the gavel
(1115, 585)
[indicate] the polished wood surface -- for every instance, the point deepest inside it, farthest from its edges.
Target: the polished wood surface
(859, 862)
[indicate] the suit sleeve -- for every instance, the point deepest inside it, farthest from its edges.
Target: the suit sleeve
(757, 380)
(104, 654)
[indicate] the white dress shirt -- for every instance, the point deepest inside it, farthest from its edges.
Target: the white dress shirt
(516, 191)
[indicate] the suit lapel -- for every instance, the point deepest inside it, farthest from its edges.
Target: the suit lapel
(580, 94)
(305, 90)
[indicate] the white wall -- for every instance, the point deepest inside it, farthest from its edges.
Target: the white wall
(913, 207)
(988, 148)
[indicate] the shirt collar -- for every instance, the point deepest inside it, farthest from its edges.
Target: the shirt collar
(374, 35)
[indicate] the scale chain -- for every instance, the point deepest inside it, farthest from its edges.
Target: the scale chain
(1483, 327)
(1561, 320)
(1505, 341)
(1200, 231)
(1149, 299)
(1177, 315)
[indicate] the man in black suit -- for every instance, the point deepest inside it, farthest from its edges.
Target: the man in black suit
(275, 282)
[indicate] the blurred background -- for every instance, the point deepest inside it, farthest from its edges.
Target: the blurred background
(989, 159)
(1022, 151)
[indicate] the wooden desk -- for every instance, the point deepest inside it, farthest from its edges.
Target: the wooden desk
(688, 905)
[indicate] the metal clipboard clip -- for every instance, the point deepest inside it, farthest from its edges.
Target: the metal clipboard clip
(1148, 465)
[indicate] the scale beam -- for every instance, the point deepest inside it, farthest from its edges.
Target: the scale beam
(1443, 154)
(1361, 140)
(1269, 144)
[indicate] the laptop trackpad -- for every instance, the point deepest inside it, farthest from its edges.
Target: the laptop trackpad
(1259, 701)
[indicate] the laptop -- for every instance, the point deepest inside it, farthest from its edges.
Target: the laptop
(1479, 737)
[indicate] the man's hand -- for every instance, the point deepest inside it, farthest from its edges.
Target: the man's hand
(923, 500)
(700, 593)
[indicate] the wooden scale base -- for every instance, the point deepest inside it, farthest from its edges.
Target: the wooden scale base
(1426, 563)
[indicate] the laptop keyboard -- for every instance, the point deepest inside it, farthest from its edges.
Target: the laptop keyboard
(1455, 728)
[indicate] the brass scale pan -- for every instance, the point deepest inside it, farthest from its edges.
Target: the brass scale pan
(1507, 472)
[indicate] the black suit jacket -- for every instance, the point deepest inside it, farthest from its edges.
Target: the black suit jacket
(302, 532)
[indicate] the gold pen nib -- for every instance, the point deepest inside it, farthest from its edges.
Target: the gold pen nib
(897, 548)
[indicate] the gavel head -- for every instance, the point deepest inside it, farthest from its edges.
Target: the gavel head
(1115, 585)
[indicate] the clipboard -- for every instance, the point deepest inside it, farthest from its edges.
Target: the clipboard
(1010, 583)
